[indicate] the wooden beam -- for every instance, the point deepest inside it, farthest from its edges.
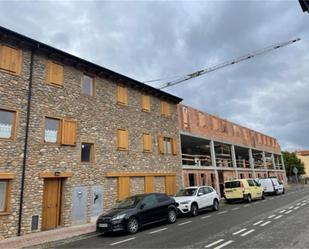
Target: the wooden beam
(6, 176)
(141, 174)
(55, 174)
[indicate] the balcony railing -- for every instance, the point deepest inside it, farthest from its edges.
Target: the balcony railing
(196, 160)
(224, 162)
(258, 164)
(243, 163)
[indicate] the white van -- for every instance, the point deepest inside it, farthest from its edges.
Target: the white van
(272, 186)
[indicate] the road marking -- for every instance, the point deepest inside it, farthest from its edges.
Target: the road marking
(271, 198)
(291, 207)
(246, 233)
(240, 231)
(207, 216)
(214, 243)
(298, 203)
(159, 230)
(235, 209)
(296, 208)
(184, 223)
(288, 211)
(278, 217)
(224, 244)
(223, 212)
(247, 205)
(259, 222)
(282, 211)
(122, 241)
(265, 223)
(269, 217)
(303, 204)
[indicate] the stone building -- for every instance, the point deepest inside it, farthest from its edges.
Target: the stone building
(75, 137)
(215, 150)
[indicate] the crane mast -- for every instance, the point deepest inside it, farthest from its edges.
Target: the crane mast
(226, 63)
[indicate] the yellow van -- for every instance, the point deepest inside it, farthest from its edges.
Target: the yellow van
(243, 189)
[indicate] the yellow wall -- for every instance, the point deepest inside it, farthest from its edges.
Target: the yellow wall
(305, 160)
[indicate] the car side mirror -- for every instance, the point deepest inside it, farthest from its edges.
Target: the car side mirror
(142, 206)
(199, 194)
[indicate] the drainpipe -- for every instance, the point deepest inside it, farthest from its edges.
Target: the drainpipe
(26, 143)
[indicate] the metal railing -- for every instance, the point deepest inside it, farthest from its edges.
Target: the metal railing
(224, 162)
(243, 163)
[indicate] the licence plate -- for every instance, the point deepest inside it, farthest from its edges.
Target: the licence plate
(103, 225)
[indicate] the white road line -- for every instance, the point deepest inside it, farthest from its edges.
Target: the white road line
(240, 231)
(291, 207)
(235, 209)
(159, 230)
(259, 222)
(303, 204)
(269, 217)
(223, 212)
(296, 208)
(288, 211)
(205, 217)
(282, 211)
(271, 198)
(265, 223)
(246, 233)
(184, 223)
(298, 203)
(122, 241)
(224, 244)
(278, 217)
(214, 243)
(247, 205)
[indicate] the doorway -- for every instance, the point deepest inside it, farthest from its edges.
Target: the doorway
(52, 203)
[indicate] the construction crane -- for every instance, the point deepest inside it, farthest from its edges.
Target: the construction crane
(224, 64)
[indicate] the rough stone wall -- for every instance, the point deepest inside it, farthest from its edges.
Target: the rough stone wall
(137, 185)
(159, 184)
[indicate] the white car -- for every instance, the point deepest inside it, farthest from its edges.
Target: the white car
(192, 199)
(272, 186)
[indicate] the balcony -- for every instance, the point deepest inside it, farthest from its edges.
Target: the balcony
(196, 160)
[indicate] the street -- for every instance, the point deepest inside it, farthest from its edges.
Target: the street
(276, 222)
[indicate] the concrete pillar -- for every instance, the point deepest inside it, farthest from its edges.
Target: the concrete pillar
(273, 160)
(251, 161)
(282, 162)
(234, 159)
(214, 164)
(264, 162)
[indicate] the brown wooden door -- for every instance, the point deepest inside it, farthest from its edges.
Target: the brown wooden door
(51, 217)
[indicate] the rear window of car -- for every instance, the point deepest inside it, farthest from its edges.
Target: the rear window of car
(162, 197)
(251, 183)
(234, 184)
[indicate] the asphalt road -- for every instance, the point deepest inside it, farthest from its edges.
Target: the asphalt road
(277, 222)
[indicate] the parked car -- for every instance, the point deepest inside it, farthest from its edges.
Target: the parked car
(193, 199)
(272, 186)
(243, 189)
(137, 211)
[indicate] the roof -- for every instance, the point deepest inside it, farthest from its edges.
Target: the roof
(72, 59)
(302, 153)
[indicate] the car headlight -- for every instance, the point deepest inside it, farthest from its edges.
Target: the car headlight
(119, 217)
(185, 202)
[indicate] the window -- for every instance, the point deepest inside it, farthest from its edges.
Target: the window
(208, 190)
(88, 85)
(242, 176)
(122, 95)
(10, 59)
(165, 109)
(167, 145)
(251, 183)
(250, 175)
(149, 201)
(191, 180)
(147, 142)
(55, 73)
(233, 184)
(122, 139)
(201, 191)
(52, 133)
(162, 197)
(145, 103)
(203, 179)
(87, 153)
(5, 192)
(7, 124)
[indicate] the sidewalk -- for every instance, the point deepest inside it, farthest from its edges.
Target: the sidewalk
(33, 239)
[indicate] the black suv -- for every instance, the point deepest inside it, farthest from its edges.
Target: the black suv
(136, 211)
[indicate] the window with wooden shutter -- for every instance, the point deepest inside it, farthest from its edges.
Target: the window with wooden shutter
(160, 144)
(147, 142)
(165, 109)
(174, 146)
(122, 95)
(68, 132)
(149, 184)
(122, 139)
(10, 59)
(170, 185)
(145, 103)
(123, 187)
(55, 73)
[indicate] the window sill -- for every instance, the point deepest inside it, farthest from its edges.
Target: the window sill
(145, 110)
(147, 151)
(6, 139)
(54, 84)
(122, 104)
(9, 72)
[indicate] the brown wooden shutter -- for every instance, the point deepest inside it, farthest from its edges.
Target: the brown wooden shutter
(123, 187)
(55, 73)
(68, 132)
(10, 59)
(165, 109)
(149, 184)
(160, 145)
(122, 95)
(123, 139)
(174, 146)
(145, 103)
(170, 185)
(147, 142)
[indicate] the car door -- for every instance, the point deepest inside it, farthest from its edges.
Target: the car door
(149, 211)
(253, 188)
(201, 198)
(209, 196)
(259, 189)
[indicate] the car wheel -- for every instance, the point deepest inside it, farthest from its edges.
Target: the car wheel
(172, 216)
(194, 210)
(215, 206)
(249, 199)
(132, 225)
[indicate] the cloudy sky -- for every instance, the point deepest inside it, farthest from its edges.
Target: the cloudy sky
(157, 39)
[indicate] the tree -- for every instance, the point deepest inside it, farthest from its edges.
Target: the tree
(291, 161)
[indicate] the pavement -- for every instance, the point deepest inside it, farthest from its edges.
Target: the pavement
(207, 227)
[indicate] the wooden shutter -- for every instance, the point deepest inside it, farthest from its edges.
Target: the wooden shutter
(68, 132)
(170, 185)
(149, 184)
(122, 95)
(55, 73)
(146, 103)
(160, 145)
(174, 146)
(165, 109)
(147, 142)
(123, 187)
(123, 139)
(10, 59)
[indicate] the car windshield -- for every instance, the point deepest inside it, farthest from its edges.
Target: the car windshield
(129, 202)
(186, 192)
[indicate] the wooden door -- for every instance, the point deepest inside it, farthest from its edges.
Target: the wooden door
(52, 196)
